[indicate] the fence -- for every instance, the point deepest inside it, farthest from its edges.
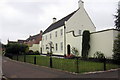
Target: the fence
(77, 65)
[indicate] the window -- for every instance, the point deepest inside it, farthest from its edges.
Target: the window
(43, 47)
(50, 36)
(46, 37)
(61, 32)
(43, 38)
(56, 34)
(79, 32)
(56, 46)
(61, 45)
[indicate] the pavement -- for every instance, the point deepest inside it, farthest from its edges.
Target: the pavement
(16, 69)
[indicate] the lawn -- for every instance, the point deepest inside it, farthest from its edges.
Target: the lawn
(67, 64)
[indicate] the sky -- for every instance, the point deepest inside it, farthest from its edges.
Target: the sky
(21, 18)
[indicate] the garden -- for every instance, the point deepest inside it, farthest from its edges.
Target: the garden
(69, 65)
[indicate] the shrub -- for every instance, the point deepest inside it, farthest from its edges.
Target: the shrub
(85, 44)
(15, 48)
(99, 55)
(75, 51)
(37, 52)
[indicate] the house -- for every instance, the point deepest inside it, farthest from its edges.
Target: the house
(66, 33)
(12, 42)
(33, 41)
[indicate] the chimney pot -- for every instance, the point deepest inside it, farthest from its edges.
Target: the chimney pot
(54, 20)
(80, 4)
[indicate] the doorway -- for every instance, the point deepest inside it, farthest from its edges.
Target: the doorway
(68, 49)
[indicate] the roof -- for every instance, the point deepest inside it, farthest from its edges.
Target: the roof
(21, 41)
(32, 37)
(58, 23)
(12, 42)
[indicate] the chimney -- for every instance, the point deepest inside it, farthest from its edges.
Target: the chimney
(54, 20)
(41, 31)
(80, 4)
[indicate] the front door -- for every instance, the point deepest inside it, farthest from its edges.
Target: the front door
(68, 49)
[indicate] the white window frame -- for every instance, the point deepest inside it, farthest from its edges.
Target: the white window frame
(50, 36)
(61, 46)
(61, 32)
(46, 37)
(56, 47)
(55, 33)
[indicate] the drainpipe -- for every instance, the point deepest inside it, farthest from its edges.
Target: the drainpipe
(65, 38)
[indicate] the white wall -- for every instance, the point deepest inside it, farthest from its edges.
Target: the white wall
(73, 41)
(103, 41)
(80, 21)
(54, 39)
(35, 47)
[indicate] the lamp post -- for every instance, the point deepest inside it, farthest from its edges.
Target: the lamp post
(50, 54)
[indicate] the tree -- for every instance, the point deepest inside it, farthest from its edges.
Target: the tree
(15, 48)
(116, 48)
(117, 20)
(85, 44)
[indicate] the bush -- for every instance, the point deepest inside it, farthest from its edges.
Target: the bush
(37, 52)
(99, 55)
(75, 51)
(15, 48)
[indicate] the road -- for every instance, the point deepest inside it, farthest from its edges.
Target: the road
(0, 63)
(15, 69)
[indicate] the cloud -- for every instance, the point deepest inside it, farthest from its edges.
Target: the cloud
(21, 18)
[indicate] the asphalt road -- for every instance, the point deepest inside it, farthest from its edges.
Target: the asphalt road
(0, 64)
(15, 69)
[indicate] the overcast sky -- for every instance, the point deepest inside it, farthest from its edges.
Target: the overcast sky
(21, 18)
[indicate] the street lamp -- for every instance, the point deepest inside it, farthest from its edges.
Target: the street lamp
(51, 46)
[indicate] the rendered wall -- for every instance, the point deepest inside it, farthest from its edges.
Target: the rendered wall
(73, 41)
(80, 21)
(54, 40)
(103, 41)
(35, 47)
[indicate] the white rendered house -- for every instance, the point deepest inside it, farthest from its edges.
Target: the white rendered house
(66, 33)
